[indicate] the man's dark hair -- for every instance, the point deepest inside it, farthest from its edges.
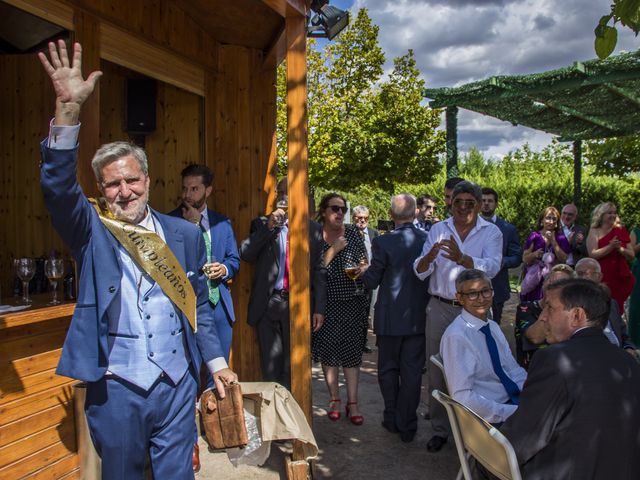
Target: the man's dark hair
(471, 274)
(452, 182)
(592, 297)
(467, 187)
(490, 191)
(422, 199)
(196, 170)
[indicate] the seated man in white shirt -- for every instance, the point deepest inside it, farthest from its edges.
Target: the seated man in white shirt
(480, 369)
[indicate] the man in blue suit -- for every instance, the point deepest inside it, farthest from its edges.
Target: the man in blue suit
(142, 296)
(511, 251)
(400, 315)
(223, 260)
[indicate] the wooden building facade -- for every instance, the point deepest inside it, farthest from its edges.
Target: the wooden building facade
(215, 63)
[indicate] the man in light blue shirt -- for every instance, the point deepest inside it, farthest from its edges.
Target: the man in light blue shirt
(479, 367)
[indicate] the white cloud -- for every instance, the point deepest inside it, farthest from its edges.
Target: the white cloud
(459, 41)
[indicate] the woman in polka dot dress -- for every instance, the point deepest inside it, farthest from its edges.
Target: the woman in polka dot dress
(339, 342)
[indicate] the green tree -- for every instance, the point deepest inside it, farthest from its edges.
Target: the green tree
(614, 156)
(363, 131)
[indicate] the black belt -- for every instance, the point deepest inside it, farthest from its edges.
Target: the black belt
(454, 303)
(283, 293)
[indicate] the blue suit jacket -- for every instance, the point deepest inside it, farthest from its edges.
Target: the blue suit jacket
(511, 258)
(224, 250)
(402, 297)
(85, 351)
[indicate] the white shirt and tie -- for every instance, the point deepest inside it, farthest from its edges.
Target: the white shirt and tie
(470, 374)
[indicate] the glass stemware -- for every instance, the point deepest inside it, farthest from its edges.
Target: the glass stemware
(54, 269)
(352, 269)
(25, 269)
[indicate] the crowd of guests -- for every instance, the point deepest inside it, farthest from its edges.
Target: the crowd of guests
(144, 327)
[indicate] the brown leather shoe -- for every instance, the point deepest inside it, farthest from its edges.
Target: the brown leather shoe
(195, 458)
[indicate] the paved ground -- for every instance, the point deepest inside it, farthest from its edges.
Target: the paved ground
(353, 453)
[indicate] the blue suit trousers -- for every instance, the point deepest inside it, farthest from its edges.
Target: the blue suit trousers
(127, 423)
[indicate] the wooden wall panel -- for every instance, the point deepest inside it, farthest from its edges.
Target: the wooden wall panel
(176, 142)
(161, 22)
(25, 112)
(241, 155)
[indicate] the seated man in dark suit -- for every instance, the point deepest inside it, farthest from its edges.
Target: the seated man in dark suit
(578, 416)
(400, 316)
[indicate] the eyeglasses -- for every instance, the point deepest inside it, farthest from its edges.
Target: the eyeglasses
(551, 219)
(459, 202)
(360, 219)
(337, 208)
(474, 295)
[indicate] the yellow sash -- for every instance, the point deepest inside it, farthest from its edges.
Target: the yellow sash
(153, 256)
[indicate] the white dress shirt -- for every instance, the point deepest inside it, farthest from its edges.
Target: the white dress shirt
(469, 371)
(483, 245)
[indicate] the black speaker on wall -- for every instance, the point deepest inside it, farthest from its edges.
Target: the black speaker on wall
(141, 106)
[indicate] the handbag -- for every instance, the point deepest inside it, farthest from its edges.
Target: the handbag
(532, 277)
(223, 419)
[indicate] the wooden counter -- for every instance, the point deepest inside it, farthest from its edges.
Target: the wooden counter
(37, 424)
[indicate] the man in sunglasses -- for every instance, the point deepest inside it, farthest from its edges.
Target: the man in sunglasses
(462, 241)
(480, 369)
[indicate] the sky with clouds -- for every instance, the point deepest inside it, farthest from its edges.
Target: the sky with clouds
(460, 41)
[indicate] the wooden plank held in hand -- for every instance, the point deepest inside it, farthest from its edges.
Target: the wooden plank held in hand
(223, 419)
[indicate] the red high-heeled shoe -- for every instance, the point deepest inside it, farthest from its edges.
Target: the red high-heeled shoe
(355, 419)
(335, 413)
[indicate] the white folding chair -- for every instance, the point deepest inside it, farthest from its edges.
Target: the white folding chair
(479, 439)
(436, 359)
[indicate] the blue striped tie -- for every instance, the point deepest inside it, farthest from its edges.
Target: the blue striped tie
(509, 385)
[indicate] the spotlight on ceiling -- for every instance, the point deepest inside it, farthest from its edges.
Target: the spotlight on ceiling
(328, 21)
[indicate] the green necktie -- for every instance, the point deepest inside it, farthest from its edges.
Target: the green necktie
(214, 291)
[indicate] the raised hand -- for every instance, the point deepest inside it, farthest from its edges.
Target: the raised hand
(71, 89)
(451, 250)
(189, 212)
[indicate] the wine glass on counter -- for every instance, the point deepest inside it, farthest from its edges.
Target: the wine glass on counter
(54, 270)
(25, 269)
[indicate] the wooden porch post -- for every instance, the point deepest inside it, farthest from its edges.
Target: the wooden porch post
(298, 187)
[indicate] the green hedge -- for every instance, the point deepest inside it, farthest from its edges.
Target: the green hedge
(526, 183)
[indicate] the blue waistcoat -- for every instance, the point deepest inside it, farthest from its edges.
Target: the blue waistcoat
(145, 333)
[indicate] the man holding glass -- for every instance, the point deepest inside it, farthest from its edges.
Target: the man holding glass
(142, 295)
(462, 241)
(267, 248)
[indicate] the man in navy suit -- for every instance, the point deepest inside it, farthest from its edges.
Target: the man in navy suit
(511, 251)
(223, 260)
(578, 416)
(131, 337)
(400, 315)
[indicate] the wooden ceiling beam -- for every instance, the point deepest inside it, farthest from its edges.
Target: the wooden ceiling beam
(283, 6)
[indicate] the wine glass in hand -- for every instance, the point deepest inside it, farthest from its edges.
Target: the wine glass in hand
(352, 269)
(54, 269)
(25, 269)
